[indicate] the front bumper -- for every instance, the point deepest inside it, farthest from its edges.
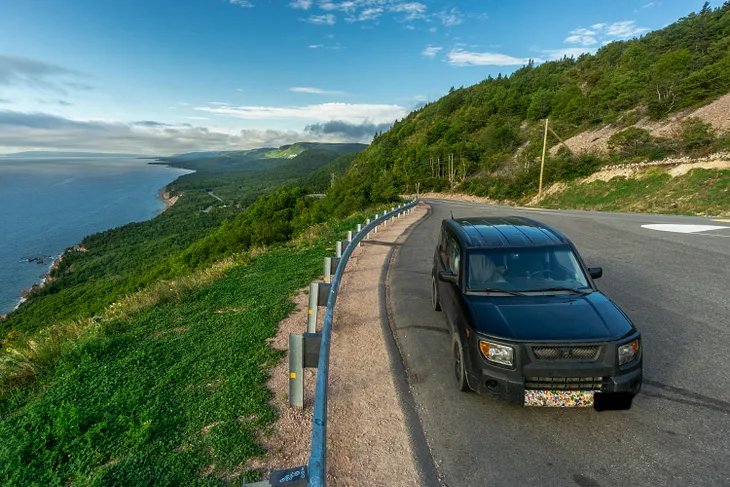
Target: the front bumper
(601, 375)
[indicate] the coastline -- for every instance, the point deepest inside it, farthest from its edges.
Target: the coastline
(45, 278)
(164, 195)
(169, 200)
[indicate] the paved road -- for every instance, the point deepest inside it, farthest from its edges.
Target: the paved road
(675, 287)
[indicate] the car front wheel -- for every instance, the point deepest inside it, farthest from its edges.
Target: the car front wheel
(435, 304)
(460, 365)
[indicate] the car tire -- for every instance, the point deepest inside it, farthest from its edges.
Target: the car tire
(435, 303)
(459, 365)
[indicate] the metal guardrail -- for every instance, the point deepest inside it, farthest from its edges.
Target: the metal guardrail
(318, 455)
(312, 349)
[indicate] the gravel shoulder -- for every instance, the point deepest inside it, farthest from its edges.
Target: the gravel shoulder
(368, 440)
(367, 437)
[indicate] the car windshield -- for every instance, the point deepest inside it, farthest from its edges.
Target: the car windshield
(525, 269)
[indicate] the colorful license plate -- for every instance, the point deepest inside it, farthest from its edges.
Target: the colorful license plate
(559, 399)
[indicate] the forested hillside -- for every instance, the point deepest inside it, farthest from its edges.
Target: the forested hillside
(487, 139)
(126, 259)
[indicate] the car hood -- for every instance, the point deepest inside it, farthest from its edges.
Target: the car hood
(559, 317)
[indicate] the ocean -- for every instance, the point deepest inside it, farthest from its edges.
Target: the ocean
(47, 205)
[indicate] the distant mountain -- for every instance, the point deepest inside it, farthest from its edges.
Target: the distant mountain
(222, 163)
(53, 154)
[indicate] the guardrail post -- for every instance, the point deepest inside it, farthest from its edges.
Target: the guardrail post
(338, 248)
(296, 370)
(313, 307)
(328, 269)
(367, 222)
(375, 230)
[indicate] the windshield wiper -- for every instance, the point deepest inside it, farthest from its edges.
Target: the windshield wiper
(492, 290)
(569, 289)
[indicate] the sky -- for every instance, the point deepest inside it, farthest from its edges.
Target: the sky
(162, 76)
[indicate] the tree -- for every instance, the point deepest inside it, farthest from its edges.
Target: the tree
(666, 75)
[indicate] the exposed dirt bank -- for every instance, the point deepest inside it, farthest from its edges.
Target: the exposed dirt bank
(717, 113)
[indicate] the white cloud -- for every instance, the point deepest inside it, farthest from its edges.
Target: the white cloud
(241, 3)
(402, 10)
(348, 6)
(301, 4)
(314, 91)
(450, 18)
(36, 131)
(431, 51)
(557, 54)
(316, 46)
(584, 37)
(481, 16)
(327, 19)
(367, 14)
(413, 10)
(38, 75)
(624, 29)
(460, 57)
(347, 112)
(197, 118)
(604, 33)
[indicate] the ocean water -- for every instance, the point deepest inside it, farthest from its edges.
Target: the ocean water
(47, 205)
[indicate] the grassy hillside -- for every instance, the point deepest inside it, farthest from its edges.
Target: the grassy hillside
(144, 361)
(493, 130)
(701, 191)
(165, 393)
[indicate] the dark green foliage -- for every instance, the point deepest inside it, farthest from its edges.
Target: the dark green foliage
(321, 179)
(631, 142)
(696, 133)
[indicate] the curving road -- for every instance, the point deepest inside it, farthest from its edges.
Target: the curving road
(676, 289)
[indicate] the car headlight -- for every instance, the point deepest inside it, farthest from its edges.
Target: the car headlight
(500, 354)
(628, 352)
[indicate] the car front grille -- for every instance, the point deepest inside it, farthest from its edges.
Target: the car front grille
(564, 383)
(566, 353)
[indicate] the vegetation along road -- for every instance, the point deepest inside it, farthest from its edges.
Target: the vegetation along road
(672, 285)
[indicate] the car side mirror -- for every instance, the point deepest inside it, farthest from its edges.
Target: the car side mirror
(595, 272)
(447, 276)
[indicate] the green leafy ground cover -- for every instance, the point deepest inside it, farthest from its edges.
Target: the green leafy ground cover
(174, 395)
(699, 192)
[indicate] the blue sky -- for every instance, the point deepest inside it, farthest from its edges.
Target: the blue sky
(162, 76)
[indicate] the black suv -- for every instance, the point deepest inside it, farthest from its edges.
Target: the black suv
(528, 324)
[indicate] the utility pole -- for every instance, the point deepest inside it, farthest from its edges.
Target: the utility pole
(542, 164)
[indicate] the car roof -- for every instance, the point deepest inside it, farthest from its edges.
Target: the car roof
(511, 231)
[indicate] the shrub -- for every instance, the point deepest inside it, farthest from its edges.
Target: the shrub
(631, 142)
(696, 134)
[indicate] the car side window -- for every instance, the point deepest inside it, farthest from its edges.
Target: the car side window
(454, 256)
(443, 247)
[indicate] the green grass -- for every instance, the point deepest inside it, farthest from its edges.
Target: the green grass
(165, 394)
(175, 393)
(699, 192)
